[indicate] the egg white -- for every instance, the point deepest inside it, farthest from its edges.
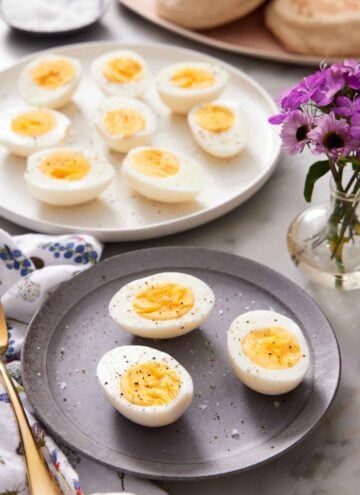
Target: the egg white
(182, 100)
(22, 145)
(122, 312)
(131, 89)
(48, 97)
(59, 192)
(117, 361)
(221, 144)
(180, 187)
(125, 144)
(264, 380)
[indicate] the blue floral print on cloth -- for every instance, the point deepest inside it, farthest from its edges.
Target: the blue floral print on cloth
(31, 267)
(15, 260)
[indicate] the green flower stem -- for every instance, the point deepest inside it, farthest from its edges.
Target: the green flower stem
(344, 215)
(337, 174)
(351, 181)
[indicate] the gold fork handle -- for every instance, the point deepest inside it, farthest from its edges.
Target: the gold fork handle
(41, 481)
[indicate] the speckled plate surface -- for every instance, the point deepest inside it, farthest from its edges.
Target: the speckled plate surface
(73, 330)
(119, 214)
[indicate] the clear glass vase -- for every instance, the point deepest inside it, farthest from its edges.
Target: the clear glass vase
(324, 241)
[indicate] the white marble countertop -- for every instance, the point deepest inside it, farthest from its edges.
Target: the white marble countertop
(327, 463)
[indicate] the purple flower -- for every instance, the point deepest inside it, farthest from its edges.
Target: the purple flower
(351, 70)
(293, 98)
(346, 107)
(295, 131)
(355, 128)
(348, 67)
(354, 81)
(310, 84)
(333, 82)
(303, 92)
(323, 112)
(331, 136)
(279, 118)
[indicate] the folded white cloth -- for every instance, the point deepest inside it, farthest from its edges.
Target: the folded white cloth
(31, 267)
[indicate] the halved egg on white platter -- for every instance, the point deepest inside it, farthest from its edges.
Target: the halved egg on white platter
(162, 306)
(125, 123)
(27, 130)
(183, 85)
(219, 127)
(50, 81)
(145, 385)
(268, 351)
(66, 176)
(121, 73)
(163, 175)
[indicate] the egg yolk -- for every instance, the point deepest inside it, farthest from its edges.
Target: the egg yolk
(123, 70)
(34, 123)
(53, 74)
(125, 122)
(64, 165)
(274, 348)
(150, 384)
(163, 302)
(215, 118)
(156, 163)
(192, 78)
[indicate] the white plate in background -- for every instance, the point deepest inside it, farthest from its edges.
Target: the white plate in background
(119, 214)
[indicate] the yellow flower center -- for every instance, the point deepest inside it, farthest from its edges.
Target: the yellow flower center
(150, 384)
(164, 302)
(53, 74)
(215, 118)
(274, 348)
(34, 123)
(65, 165)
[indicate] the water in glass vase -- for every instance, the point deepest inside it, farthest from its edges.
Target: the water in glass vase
(324, 241)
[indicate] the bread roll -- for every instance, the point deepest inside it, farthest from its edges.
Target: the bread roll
(203, 14)
(316, 27)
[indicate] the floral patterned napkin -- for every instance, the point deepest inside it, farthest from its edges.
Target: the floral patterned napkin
(31, 267)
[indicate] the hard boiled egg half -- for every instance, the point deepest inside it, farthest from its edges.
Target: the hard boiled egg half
(147, 386)
(125, 123)
(163, 175)
(66, 176)
(268, 352)
(183, 85)
(25, 131)
(162, 306)
(50, 81)
(219, 127)
(121, 72)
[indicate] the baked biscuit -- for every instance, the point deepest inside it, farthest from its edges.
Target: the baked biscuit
(316, 27)
(204, 14)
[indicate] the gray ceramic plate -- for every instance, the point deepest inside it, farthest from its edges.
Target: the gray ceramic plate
(73, 330)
